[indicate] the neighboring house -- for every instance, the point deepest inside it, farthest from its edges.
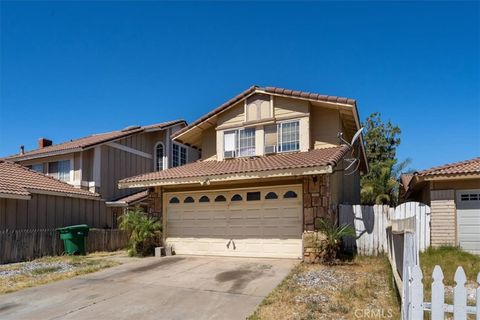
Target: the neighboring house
(271, 165)
(453, 193)
(97, 162)
(32, 200)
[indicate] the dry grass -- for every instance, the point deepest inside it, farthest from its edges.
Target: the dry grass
(50, 270)
(361, 289)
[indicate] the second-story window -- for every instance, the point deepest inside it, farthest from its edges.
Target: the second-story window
(59, 170)
(239, 143)
(36, 167)
(282, 137)
(159, 154)
(179, 155)
(288, 136)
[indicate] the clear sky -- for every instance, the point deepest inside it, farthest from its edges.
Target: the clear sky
(69, 69)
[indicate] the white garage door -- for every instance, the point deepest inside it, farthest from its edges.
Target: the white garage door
(264, 222)
(468, 217)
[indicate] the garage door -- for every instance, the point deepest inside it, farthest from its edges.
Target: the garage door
(264, 222)
(468, 217)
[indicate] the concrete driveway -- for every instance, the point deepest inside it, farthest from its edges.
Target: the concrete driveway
(178, 287)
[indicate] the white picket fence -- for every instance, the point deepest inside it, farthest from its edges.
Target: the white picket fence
(371, 222)
(404, 257)
(416, 305)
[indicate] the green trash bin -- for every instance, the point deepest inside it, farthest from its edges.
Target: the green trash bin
(74, 238)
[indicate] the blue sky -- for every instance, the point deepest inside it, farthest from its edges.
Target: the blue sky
(69, 69)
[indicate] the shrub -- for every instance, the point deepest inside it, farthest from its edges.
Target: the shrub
(143, 232)
(332, 239)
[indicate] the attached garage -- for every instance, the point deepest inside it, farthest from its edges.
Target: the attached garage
(468, 220)
(261, 222)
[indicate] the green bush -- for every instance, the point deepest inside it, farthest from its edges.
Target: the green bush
(143, 231)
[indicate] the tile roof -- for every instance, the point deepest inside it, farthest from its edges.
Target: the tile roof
(462, 167)
(19, 180)
(89, 141)
(272, 90)
(282, 161)
(131, 198)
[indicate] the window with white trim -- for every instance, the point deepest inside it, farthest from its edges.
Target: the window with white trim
(282, 137)
(159, 156)
(59, 170)
(239, 143)
(179, 155)
(288, 136)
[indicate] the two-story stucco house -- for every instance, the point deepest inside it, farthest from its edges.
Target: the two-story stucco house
(97, 162)
(271, 164)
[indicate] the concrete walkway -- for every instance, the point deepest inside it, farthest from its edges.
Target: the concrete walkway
(178, 287)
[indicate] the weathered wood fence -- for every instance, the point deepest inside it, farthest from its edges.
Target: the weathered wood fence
(371, 223)
(22, 245)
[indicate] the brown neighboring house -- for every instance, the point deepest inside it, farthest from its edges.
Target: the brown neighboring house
(32, 200)
(453, 193)
(271, 165)
(97, 162)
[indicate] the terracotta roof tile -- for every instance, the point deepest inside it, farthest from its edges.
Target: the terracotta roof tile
(462, 167)
(17, 179)
(85, 142)
(133, 197)
(313, 158)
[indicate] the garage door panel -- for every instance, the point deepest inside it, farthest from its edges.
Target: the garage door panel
(468, 219)
(263, 228)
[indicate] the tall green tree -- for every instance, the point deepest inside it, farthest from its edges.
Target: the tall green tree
(380, 185)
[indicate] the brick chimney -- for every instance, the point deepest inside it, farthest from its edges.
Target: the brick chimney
(43, 142)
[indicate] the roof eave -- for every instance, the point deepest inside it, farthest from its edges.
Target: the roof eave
(207, 179)
(7, 195)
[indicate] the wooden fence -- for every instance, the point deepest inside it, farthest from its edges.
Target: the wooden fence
(403, 253)
(371, 223)
(22, 245)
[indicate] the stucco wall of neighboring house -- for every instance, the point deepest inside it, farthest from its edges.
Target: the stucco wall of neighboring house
(464, 183)
(51, 211)
(443, 217)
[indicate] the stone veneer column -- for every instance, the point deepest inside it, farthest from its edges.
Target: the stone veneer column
(155, 202)
(316, 205)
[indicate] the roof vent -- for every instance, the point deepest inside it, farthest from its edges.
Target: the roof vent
(130, 128)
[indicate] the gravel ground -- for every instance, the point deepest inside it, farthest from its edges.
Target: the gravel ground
(37, 268)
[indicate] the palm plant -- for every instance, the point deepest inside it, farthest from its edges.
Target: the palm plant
(333, 235)
(143, 232)
(382, 183)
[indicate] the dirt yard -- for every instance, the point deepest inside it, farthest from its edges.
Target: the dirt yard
(362, 289)
(16, 276)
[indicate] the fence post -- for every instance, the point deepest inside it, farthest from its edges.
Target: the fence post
(417, 293)
(460, 295)
(409, 260)
(438, 294)
(478, 296)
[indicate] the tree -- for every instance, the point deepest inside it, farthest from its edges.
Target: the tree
(380, 185)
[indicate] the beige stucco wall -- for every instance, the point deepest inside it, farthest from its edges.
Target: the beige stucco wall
(235, 116)
(325, 125)
(285, 107)
(443, 217)
(209, 144)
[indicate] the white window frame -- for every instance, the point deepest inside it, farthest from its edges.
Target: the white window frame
(155, 156)
(180, 146)
(279, 136)
(236, 151)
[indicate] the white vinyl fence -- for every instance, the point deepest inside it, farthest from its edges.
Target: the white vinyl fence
(371, 223)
